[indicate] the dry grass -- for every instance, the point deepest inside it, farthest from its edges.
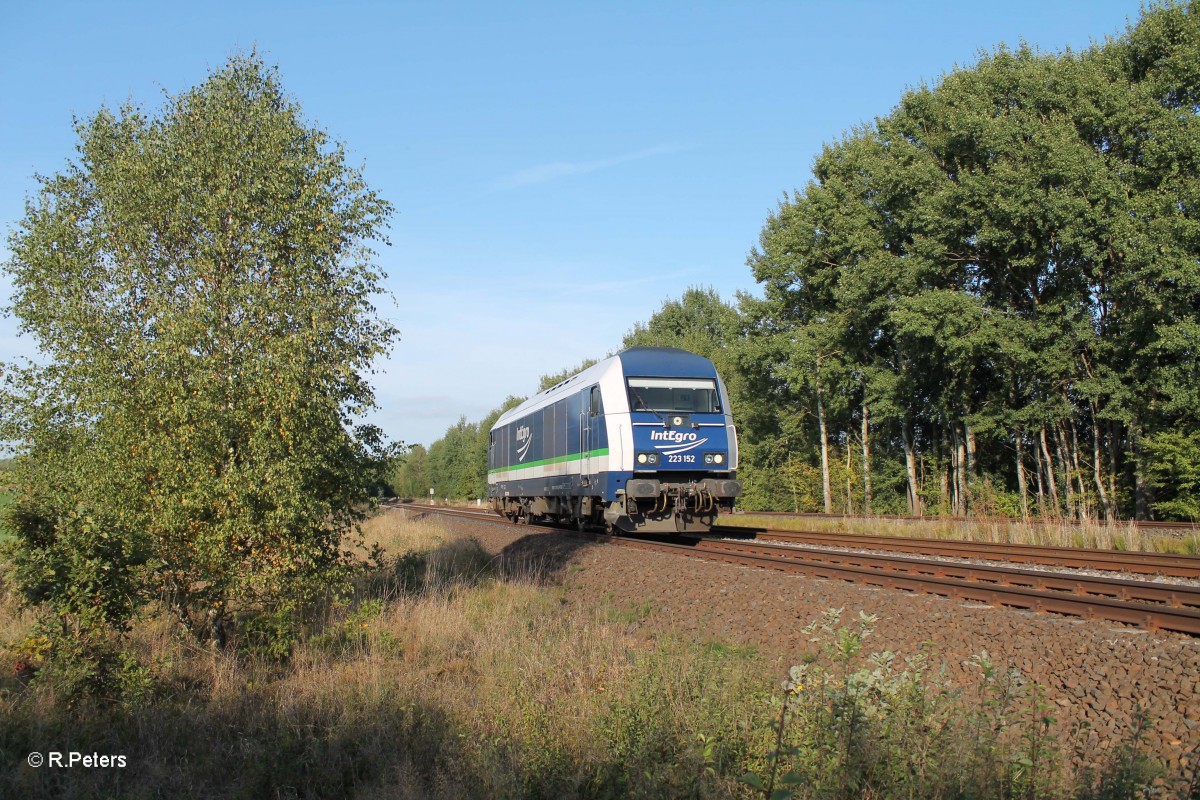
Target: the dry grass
(1121, 536)
(446, 677)
(397, 535)
(451, 674)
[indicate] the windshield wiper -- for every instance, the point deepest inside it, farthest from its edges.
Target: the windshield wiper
(646, 407)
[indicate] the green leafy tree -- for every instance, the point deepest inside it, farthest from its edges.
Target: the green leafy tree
(699, 322)
(558, 377)
(410, 480)
(1000, 279)
(1175, 473)
(199, 283)
(454, 464)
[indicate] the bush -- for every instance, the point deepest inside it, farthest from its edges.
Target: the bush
(851, 727)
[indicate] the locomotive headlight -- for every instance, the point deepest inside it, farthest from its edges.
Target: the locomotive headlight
(647, 459)
(641, 458)
(719, 458)
(708, 458)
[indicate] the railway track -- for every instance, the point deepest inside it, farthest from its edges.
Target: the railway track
(1136, 562)
(1143, 603)
(1146, 526)
(1146, 604)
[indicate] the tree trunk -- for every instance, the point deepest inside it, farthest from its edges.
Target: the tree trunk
(866, 458)
(1085, 498)
(1041, 486)
(944, 457)
(1048, 464)
(1141, 490)
(1114, 439)
(910, 464)
(921, 478)
(955, 473)
(849, 476)
(1021, 487)
(960, 473)
(1103, 495)
(825, 486)
(1065, 465)
(791, 472)
(972, 463)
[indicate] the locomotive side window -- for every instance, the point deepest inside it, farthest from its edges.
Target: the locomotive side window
(594, 408)
(691, 395)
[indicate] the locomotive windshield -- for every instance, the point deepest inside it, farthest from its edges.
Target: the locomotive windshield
(690, 395)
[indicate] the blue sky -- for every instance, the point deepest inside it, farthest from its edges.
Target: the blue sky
(559, 169)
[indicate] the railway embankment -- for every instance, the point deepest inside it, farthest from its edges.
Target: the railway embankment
(1098, 682)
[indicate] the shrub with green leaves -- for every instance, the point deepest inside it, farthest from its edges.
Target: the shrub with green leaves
(1175, 473)
(199, 284)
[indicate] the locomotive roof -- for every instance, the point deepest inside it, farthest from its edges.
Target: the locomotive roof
(665, 362)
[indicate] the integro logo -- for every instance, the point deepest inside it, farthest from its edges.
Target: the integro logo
(676, 442)
(674, 437)
(525, 436)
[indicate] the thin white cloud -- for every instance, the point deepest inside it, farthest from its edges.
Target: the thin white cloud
(562, 169)
(625, 283)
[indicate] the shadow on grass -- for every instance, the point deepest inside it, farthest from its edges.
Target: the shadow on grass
(541, 557)
(538, 558)
(251, 746)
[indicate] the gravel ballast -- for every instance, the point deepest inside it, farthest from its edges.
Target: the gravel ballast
(1097, 674)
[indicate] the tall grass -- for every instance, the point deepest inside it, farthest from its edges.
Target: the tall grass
(450, 674)
(454, 673)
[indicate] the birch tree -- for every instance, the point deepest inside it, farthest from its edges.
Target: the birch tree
(199, 281)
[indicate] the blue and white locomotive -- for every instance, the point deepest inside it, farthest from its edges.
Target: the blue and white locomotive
(642, 441)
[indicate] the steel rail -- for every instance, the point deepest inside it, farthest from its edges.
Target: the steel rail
(1174, 595)
(1153, 617)
(1148, 525)
(1143, 563)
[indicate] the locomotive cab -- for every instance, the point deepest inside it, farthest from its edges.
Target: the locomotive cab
(682, 475)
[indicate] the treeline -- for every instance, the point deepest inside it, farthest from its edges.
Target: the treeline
(997, 286)
(986, 302)
(455, 466)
